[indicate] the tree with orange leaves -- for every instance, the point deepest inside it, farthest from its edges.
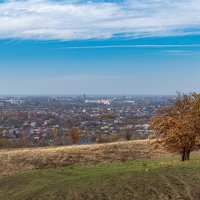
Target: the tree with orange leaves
(75, 134)
(179, 124)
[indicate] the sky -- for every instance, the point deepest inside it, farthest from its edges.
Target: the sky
(136, 47)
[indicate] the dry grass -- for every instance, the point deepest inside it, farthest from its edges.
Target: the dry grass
(12, 161)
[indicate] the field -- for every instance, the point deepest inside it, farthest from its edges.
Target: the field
(145, 175)
(16, 160)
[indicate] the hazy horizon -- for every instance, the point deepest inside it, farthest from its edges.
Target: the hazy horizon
(87, 95)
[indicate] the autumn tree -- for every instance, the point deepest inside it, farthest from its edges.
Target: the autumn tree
(179, 124)
(75, 134)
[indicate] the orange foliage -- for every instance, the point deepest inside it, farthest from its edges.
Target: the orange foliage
(75, 134)
(179, 124)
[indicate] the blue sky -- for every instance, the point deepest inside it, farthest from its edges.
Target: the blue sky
(99, 47)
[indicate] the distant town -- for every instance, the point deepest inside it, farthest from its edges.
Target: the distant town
(63, 120)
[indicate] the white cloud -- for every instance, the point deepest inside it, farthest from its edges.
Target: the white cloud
(176, 51)
(137, 46)
(80, 20)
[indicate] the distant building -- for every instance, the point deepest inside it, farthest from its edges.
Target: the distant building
(99, 101)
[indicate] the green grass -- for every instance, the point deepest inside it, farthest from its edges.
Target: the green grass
(166, 178)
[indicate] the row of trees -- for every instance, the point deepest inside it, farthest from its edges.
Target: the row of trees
(179, 124)
(72, 136)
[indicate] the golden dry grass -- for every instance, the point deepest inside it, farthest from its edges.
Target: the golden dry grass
(16, 160)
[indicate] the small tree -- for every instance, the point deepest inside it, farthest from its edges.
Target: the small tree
(75, 134)
(128, 135)
(179, 124)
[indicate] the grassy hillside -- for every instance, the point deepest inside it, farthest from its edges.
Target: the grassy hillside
(163, 179)
(119, 171)
(16, 160)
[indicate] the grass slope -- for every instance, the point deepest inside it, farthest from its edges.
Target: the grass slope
(15, 160)
(163, 179)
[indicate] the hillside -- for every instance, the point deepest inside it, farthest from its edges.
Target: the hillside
(152, 179)
(125, 170)
(16, 160)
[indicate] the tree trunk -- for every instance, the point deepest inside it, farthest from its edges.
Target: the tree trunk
(183, 154)
(188, 155)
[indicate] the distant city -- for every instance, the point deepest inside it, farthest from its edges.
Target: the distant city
(47, 120)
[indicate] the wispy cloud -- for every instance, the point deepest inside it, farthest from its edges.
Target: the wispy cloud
(176, 51)
(179, 52)
(137, 46)
(97, 19)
